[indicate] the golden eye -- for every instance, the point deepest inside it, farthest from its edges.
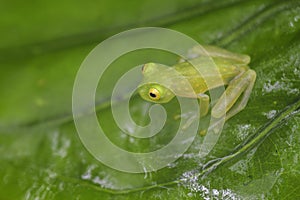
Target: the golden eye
(154, 94)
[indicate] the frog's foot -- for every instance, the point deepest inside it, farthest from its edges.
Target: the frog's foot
(203, 132)
(236, 96)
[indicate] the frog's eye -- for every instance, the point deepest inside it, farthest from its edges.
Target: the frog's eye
(154, 94)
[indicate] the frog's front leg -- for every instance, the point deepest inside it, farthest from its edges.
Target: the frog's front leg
(203, 101)
(204, 104)
(229, 102)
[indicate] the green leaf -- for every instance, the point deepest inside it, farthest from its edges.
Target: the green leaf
(256, 157)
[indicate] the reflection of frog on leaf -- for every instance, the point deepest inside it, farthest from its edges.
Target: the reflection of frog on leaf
(230, 67)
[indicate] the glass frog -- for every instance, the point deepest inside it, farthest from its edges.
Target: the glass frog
(232, 68)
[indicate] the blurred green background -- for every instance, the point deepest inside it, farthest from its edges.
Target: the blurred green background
(42, 46)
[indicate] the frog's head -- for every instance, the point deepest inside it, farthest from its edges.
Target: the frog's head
(150, 89)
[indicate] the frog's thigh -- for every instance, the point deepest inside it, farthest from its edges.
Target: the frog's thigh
(214, 51)
(204, 104)
(194, 52)
(240, 86)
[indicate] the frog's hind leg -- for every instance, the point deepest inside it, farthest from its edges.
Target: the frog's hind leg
(214, 51)
(236, 95)
(194, 52)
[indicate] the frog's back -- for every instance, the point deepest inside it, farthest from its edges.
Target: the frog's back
(214, 72)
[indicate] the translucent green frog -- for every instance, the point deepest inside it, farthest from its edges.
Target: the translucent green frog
(231, 68)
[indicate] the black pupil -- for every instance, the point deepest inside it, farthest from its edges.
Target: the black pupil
(152, 95)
